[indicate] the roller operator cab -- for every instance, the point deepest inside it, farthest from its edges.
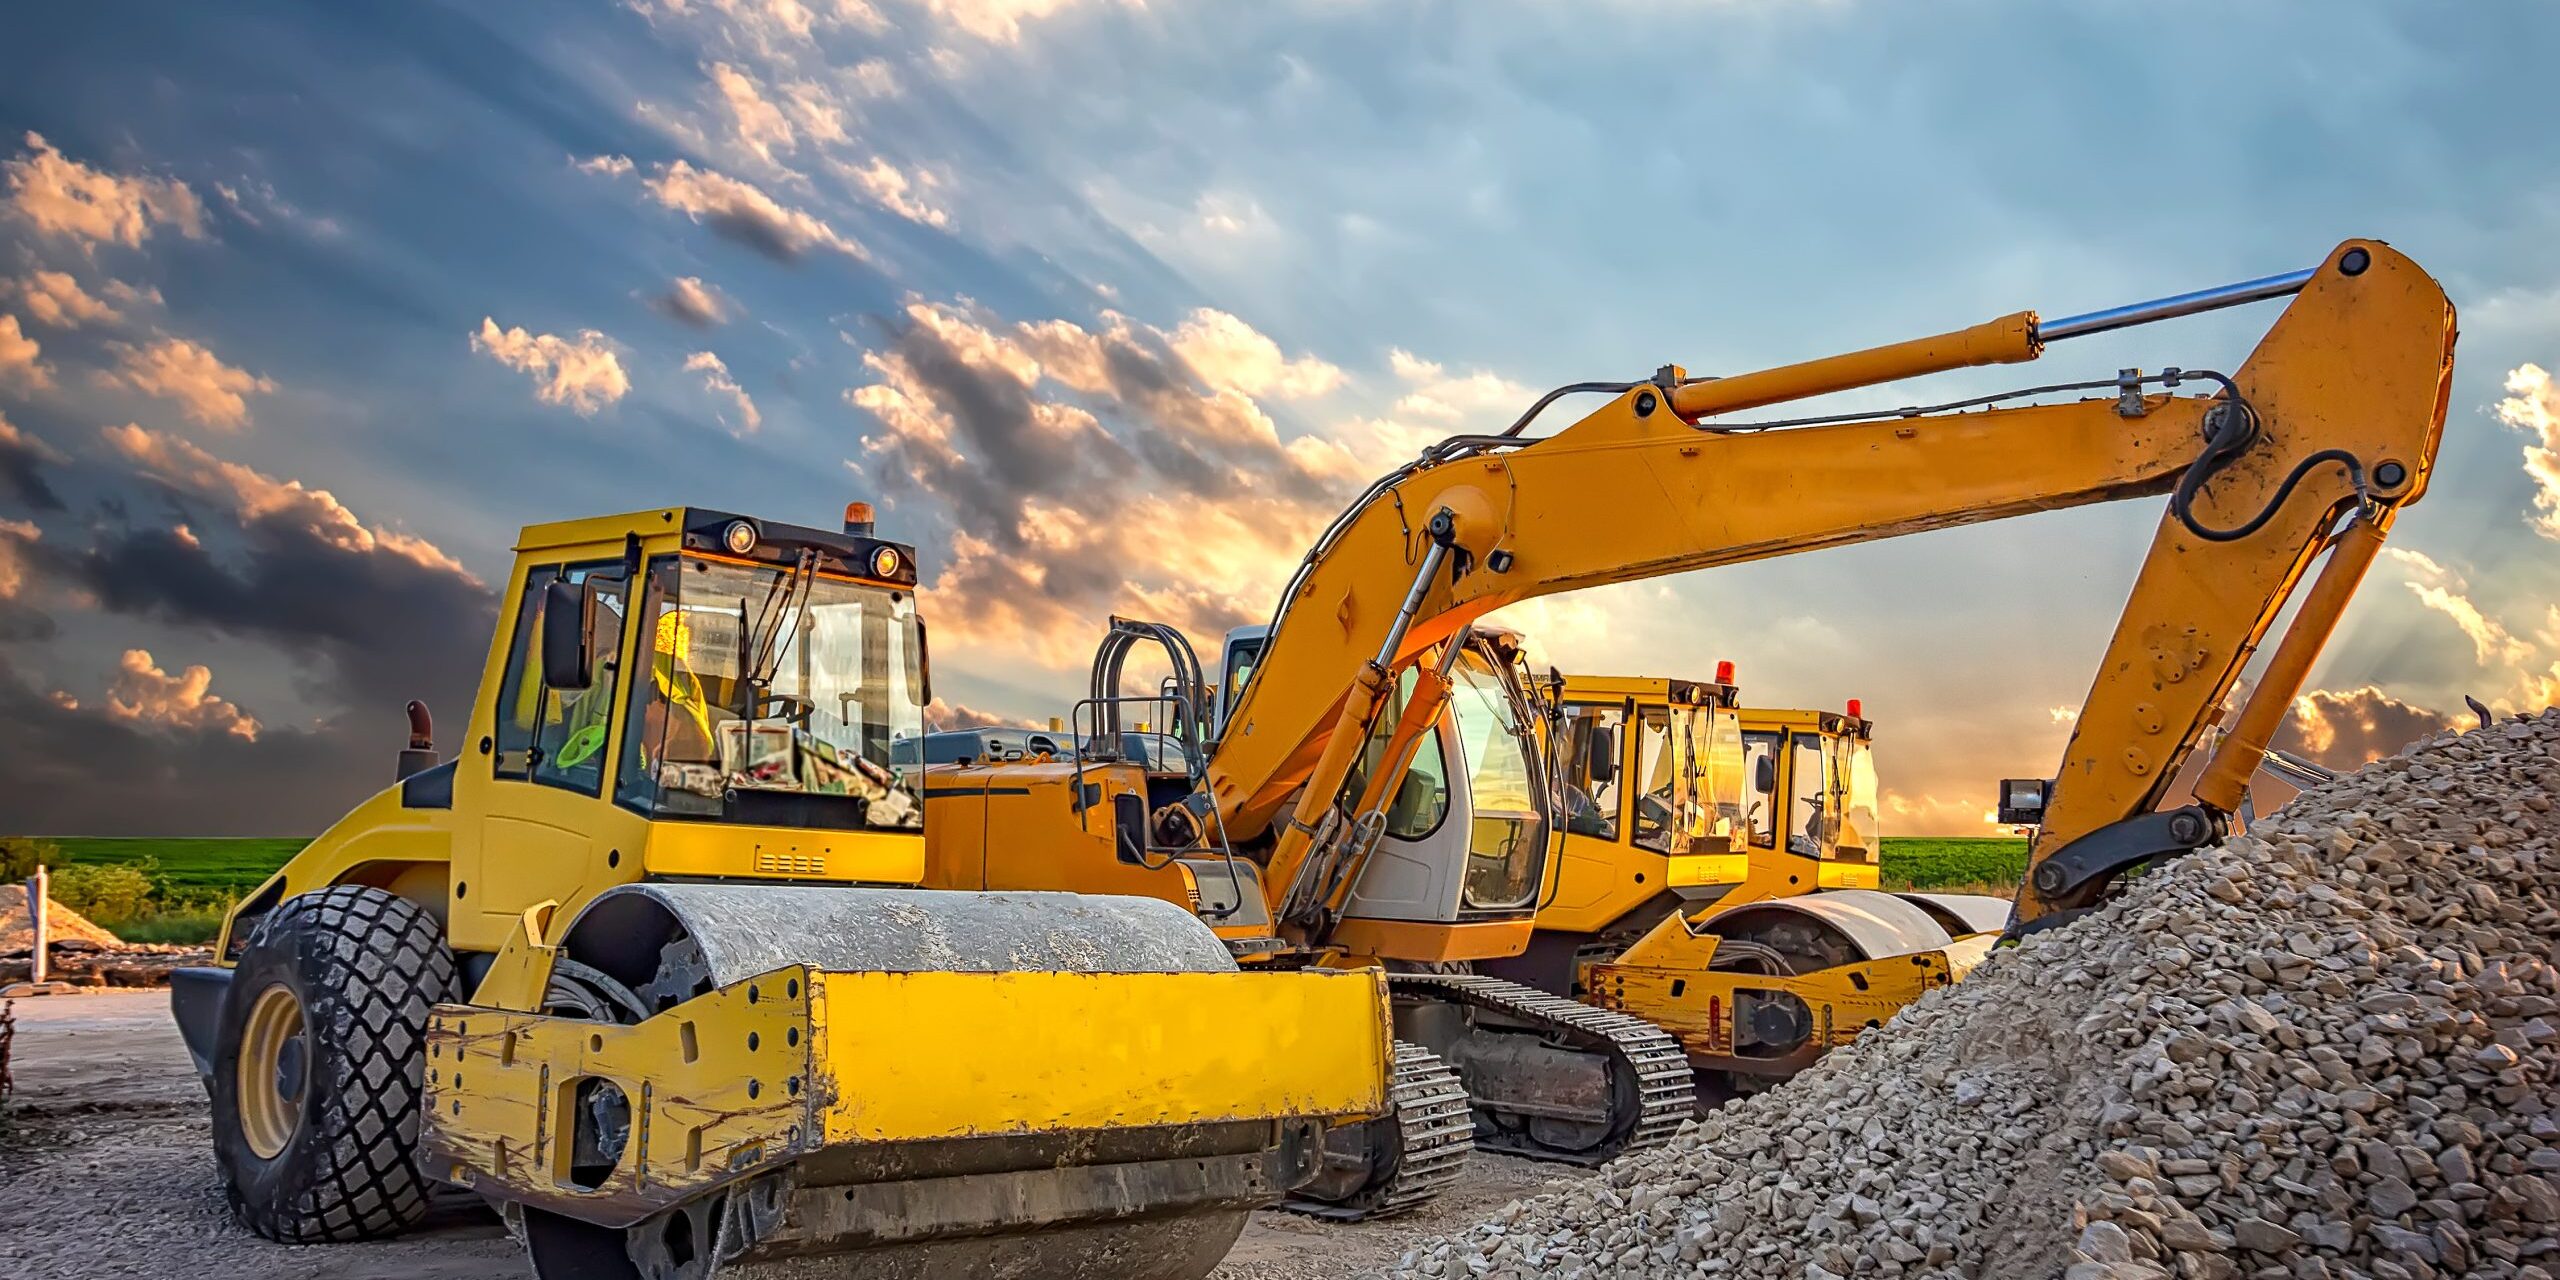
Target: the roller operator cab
(1790, 948)
(1812, 807)
(650, 964)
(1654, 792)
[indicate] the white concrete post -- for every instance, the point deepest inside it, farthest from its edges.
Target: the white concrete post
(35, 912)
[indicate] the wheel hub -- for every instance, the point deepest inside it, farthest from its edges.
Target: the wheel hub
(291, 1067)
(275, 1057)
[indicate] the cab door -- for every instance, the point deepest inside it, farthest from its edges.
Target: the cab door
(544, 827)
(1598, 759)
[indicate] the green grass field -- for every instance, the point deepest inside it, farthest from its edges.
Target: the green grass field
(1984, 865)
(189, 866)
(196, 869)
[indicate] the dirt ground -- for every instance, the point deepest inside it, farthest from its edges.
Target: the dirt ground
(106, 1170)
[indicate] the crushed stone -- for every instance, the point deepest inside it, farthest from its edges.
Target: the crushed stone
(2327, 1048)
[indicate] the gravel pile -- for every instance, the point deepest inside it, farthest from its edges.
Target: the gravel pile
(62, 924)
(2326, 1049)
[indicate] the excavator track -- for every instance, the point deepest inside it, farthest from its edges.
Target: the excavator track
(1433, 1131)
(1663, 1089)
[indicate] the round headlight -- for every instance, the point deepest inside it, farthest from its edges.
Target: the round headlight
(739, 537)
(884, 562)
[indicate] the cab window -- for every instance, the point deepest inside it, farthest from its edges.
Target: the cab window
(1854, 774)
(1657, 793)
(1724, 772)
(520, 689)
(1591, 804)
(1761, 803)
(558, 736)
(1241, 660)
(1809, 817)
(1507, 844)
(1421, 798)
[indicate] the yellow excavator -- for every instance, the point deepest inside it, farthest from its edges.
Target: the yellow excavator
(647, 966)
(1328, 815)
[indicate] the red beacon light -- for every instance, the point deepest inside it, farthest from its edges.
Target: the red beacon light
(1724, 672)
(1857, 709)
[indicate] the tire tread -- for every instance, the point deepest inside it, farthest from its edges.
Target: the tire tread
(371, 964)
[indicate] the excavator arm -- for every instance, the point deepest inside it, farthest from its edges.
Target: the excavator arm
(2313, 444)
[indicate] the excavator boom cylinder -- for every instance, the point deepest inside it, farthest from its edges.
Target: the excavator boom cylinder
(2007, 340)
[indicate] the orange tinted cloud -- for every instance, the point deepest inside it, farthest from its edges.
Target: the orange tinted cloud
(21, 357)
(205, 389)
(60, 196)
(142, 692)
(255, 495)
(1094, 470)
(2344, 729)
(2532, 406)
(584, 373)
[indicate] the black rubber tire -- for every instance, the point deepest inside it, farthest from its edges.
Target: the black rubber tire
(365, 965)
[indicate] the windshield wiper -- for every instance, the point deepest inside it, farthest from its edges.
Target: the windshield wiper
(764, 647)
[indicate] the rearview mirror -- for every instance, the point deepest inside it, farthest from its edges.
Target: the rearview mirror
(1600, 755)
(1764, 774)
(568, 631)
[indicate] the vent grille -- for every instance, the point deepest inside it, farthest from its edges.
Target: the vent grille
(790, 864)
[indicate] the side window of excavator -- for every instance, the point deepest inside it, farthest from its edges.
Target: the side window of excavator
(1422, 799)
(1591, 803)
(1422, 795)
(1760, 760)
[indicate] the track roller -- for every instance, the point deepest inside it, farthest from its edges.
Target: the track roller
(1549, 1078)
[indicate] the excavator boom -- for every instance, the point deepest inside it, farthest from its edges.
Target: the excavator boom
(2314, 442)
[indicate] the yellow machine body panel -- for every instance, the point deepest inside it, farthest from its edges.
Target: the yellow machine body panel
(781, 1067)
(1017, 825)
(723, 1087)
(381, 842)
(941, 1055)
(1669, 981)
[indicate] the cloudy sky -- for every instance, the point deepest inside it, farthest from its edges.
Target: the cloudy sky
(306, 307)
